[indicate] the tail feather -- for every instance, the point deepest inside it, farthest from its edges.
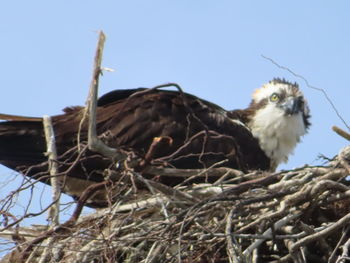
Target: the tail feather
(9, 117)
(22, 142)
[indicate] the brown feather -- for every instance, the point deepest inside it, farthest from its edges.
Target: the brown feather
(201, 134)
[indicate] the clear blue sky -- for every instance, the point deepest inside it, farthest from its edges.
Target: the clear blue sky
(211, 48)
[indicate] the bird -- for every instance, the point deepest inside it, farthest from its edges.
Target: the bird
(164, 128)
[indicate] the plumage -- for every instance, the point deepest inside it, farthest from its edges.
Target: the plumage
(191, 133)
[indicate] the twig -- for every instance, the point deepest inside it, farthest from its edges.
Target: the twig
(186, 173)
(46, 254)
(70, 222)
(31, 256)
(153, 253)
(94, 143)
(309, 86)
(152, 190)
(166, 190)
(53, 168)
(345, 254)
(332, 257)
(323, 233)
(341, 132)
(276, 226)
(232, 249)
(343, 259)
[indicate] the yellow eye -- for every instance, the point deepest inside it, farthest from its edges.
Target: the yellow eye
(274, 97)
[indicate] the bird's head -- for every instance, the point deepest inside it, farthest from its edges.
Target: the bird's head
(280, 116)
(282, 96)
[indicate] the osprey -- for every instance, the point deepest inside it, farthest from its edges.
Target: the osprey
(191, 133)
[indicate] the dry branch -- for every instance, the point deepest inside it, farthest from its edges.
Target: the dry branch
(94, 143)
(53, 168)
(341, 132)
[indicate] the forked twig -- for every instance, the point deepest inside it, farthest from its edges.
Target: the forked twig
(94, 143)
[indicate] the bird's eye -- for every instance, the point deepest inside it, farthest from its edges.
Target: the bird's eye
(274, 97)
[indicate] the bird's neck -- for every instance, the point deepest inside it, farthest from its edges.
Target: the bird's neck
(277, 133)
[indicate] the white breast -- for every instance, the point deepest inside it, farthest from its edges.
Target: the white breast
(278, 134)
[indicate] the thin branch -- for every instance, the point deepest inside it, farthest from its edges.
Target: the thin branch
(94, 143)
(341, 132)
(71, 221)
(53, 168)
(232, 249)
(282, 222)
(186, 173)
(332, 257)
(323, 233)
(166, 190)
(345, 254)
(311, 87)
(154, 252)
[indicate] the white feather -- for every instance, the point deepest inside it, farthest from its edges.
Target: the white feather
(278, 133)
(269, 88)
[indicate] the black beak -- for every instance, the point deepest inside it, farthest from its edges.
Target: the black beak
(292, 105)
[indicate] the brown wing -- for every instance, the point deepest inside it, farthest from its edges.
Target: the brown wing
(201, 130)
(198, 134)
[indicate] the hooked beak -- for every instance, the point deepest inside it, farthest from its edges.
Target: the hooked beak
(292, 105)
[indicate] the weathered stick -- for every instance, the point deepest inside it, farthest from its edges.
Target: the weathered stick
(277, 225)
(341, 132)
(323, 233)
(53, 168)
(94, 143)
(234, 252)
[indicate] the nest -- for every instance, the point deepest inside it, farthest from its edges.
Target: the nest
(300, 215)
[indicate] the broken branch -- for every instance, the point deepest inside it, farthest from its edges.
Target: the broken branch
(53, 168)
(94, 143)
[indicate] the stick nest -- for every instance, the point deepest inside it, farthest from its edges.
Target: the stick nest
(300, 215)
